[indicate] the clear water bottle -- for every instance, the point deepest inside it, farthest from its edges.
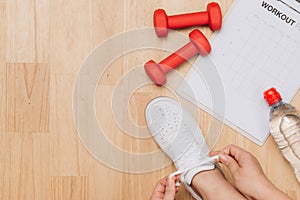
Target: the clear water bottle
(285, 128)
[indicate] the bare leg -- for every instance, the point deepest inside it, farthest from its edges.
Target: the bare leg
(212, 185)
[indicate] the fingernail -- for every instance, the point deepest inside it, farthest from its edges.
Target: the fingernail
(223, 158)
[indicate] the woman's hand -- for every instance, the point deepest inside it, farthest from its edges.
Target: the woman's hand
(247, 173)
(165, 189)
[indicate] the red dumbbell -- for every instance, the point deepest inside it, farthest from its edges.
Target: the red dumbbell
(212, 17)
(198, 44)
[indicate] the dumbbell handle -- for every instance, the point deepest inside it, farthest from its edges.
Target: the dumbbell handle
(178, 57)
(198, 44)
(187, 20)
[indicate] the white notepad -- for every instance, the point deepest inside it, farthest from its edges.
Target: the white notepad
(257, 48)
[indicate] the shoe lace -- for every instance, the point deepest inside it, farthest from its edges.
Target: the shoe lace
(203, 162)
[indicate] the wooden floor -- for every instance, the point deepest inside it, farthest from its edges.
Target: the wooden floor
(42, 46)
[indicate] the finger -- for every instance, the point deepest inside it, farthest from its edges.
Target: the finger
(214, 153)
(158, 192)
(229, 162)
(177, 181)
(177, 177)
(235, 151)
(170, 190)
(157, 196)
(161, 185)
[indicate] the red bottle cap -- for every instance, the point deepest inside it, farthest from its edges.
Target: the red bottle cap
(272, 96)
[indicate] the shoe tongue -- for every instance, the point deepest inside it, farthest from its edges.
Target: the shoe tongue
(191, 157)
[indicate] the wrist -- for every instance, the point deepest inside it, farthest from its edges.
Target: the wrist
(268, 191)
(265, 190)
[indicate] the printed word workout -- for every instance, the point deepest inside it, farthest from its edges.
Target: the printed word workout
(257, 48)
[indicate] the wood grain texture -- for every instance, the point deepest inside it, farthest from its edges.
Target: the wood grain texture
(27, 31)
(69, 187)
(2, 67)
(25, 166)
(101, 181)
(70, 33)
(73, 160)
(43, 44)
(28, 97)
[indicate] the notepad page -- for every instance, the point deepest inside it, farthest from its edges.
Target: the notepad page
(257, 48)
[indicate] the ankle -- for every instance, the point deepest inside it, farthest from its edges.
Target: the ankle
(207, 181)
(189, 176)
(213, 185)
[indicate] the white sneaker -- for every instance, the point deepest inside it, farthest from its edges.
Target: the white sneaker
(179, 136)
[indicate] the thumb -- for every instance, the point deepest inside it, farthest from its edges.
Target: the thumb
(229, 162)
(170, 189)
(214, 153)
